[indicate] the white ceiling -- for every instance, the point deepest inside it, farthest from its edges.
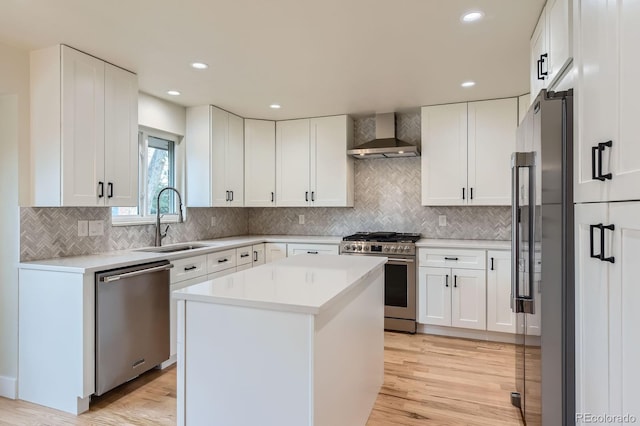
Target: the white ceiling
(315, 57)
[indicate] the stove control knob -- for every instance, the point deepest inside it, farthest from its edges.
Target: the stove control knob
(386, 249)
(393, 249)
(366, 248)
(359, 248)
(407, 249)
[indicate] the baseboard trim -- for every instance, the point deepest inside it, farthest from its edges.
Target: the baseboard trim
(8, 387)
(168, 363)
(491, 336)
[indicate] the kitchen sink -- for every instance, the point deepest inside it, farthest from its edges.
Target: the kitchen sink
(175, 248)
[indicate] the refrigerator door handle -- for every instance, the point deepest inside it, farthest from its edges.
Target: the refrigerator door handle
(521, 160)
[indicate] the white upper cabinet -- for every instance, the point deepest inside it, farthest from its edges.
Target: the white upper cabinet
(259, 163)
(84, 125)
(466, 152)
(444, 154)
(550, 46)
(215, 158)
(491, 141)
(312, 166)
(607, 152)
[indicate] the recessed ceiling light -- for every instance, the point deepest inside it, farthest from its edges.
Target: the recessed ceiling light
(199, 65)
(468, 84)
(472, 16)
(274, 106)
(173, 93)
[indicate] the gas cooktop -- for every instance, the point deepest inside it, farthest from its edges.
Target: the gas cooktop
(383, 237)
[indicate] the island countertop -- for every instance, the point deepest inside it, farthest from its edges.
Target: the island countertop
(303, 284)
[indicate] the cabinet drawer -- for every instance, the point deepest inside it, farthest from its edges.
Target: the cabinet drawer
(244, 255)
(191, 267)
(452, 258)
(295, 249)
(221, 260)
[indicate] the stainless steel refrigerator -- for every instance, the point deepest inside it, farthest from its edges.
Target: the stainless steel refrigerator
(542, 270)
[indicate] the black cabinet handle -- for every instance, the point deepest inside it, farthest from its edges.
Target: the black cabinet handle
(231, 195)
(600, 255)
(450, 258)
(446, 280)
(492, 263)
(455, 281)
(542, 74)
(190, 268)
(596, 172)
(471, 193)
(306, 196)
(255, 253)
(227, 198)
(312, 252)
(273, 197)
(223, 260)
(100, 189)
(244, 255)
(110, 190)
(313, 197)
(463, 193)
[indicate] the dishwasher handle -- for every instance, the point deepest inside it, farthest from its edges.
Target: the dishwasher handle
(111, 278)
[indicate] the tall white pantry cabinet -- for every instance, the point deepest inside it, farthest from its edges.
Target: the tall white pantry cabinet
(607, 181)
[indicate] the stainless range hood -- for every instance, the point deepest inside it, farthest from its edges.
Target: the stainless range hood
(385, 145)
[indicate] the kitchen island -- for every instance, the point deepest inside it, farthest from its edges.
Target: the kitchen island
(295, 342)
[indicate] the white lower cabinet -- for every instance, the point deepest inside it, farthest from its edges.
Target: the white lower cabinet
(274, 251)
(222, 273)
(500, 317)
(607, 338)
(296, 249)
(452, 297)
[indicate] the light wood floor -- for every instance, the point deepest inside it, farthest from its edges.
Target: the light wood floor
(429, 380)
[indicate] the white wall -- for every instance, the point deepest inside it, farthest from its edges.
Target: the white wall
(14, 175)
(159, 114)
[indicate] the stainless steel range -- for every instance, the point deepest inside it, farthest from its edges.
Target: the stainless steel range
(400, 273)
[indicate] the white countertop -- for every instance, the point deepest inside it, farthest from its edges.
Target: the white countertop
(304, 284)
(464, 244)
(116, 259)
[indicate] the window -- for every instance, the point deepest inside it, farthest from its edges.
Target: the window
(157, 154)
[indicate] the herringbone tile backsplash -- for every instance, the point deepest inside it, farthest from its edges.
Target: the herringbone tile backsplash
(387, 198)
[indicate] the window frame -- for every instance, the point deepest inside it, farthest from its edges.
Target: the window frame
(178, 169)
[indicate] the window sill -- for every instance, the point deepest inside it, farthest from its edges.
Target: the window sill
(137, 220)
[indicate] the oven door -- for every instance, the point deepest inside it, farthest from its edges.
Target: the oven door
(400, 288)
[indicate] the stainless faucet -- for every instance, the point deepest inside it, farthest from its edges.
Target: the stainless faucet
(160, 235)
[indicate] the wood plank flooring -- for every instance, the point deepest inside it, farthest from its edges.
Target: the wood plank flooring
(429, 380)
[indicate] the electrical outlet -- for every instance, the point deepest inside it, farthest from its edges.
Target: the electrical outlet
(96, 228)
(442, 220)
(300, 219)
(83, 228)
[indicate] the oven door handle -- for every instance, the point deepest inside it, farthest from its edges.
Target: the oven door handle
(400, 260)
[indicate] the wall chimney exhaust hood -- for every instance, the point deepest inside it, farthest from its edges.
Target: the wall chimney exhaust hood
(385, 145)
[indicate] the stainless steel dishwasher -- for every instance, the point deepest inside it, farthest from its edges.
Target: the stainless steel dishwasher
(132, 322)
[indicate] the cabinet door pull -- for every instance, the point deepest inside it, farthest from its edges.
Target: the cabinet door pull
(492, 263)
(455, 281)
(313, 197)
(190, 268)
(231, 195)
(542, 75)
(446, 280)
(227, 198)
(223, 260)
(596, 172)
(463, 193)
(244, 255)
(110, 190)
(306, 196)
(100, 189)
(255, 253)
(539, 66)
(312, 252)
(273, 197)
(591, 244)
(451, 258)
(602, 257)
(471, 193)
